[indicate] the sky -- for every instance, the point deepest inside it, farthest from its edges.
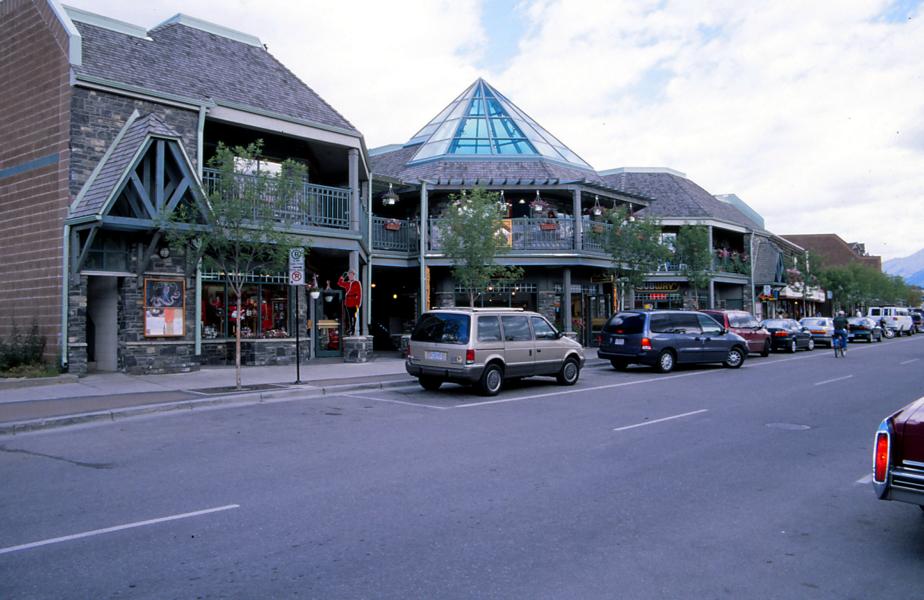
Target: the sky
(811, 112)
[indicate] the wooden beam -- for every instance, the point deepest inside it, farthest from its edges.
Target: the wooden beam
(177, 195)
(146, 257)
(143, 194)
(91, 235)
(159, 176)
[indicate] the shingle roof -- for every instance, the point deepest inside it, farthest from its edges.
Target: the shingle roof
(190, 62)
(675, 196)
(833, 250)
(468, 170)
(101, 187)
(766, 260)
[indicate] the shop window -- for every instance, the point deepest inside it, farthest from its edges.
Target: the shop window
(249, 307)
(274, 311)
(214, 315)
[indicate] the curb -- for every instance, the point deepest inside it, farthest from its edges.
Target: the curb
(27, 382)
(17, 427)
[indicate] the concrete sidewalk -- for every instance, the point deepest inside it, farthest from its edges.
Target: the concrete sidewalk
(108, 396)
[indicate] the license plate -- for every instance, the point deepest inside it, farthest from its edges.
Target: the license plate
(619, 342)
(435, 356)
(818, 332)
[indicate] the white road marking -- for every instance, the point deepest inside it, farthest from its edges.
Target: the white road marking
(865, 479)
(393, 401)
(908, 362)
(579, 390)
(85, 534)
(695, 412)
(833, 380)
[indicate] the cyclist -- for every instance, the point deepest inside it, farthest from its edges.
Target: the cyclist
(840, 331)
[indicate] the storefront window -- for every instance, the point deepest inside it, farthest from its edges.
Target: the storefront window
(213, 311)
(274, 311)
(249, 307)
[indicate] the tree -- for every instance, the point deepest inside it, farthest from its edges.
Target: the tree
(695, 257)
(634, 243)
(250, 211)
(855, 286)
(472, 236)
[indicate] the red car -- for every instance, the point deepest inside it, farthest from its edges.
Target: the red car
(746, 325)
(898, 456)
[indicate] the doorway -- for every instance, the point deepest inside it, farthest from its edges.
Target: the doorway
(102, 328)
(327, 329)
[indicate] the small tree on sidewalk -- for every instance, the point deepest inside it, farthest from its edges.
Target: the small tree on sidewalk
(472, 235)
(634, 243)
(695, 257)
(250, 212)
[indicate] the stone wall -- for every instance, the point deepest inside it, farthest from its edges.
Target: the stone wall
(254, 352)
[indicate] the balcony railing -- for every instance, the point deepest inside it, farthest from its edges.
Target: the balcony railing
(394, 235)
(313, 205)
(523, 234)
(732, 265)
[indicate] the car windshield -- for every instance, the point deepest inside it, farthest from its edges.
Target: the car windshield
(442, 328)
(780, 323)
(625, 323)
(813, 322)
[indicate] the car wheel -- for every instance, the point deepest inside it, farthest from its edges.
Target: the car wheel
(619, 365)
(665, 362)
(766, 351)
(570, 371)
(491, 381)
(888, 333)
(430, 383)
(811, 345)
(793, 346)
(735, 358)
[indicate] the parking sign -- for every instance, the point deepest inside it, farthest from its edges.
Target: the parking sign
(297, 266)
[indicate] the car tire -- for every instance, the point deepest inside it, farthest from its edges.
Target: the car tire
(430, 384)
(793, 346)
(811, 345)
(766, 351)
(735, 358)
(888, 333)
(492, 380)
(619, 365)
(570, 372)
(665, 362)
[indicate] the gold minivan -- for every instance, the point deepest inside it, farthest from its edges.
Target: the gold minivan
(485, 346)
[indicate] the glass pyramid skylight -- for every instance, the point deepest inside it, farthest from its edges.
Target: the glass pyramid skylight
(483, 122)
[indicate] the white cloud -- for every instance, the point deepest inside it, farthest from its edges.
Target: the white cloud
(811, 112)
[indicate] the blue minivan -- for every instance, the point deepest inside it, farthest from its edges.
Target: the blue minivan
(665, 338)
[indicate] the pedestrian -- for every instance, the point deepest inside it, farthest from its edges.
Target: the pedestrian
(840, 331)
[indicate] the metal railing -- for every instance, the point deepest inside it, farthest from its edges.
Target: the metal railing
(522, 234)
(731, 265)
(595, 234)
(312, 206)
(394, 235)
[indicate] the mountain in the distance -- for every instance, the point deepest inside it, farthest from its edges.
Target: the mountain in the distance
(911, 268)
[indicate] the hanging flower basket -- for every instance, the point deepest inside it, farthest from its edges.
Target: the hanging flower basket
(548, 226)
(392, 225)
(597, 228)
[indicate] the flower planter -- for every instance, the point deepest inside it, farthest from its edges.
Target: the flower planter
(392, 226)
(548, 226)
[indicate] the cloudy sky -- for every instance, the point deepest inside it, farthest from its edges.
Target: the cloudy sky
(812, 112)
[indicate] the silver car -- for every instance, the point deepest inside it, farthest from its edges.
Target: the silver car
(485, 346)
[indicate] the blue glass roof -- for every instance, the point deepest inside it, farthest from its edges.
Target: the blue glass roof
(483, 122)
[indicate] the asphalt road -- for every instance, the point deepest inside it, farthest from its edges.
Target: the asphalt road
(705, 483)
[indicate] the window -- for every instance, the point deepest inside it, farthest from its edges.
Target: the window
(686, 323)
(543, 330)
(213, 311)
(709, 325)
(516, 329)
(489, 329)
(625, 324)
(442, 328)
(662, 323)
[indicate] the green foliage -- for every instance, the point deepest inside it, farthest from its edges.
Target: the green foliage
(857, 286)
(250, 211)
(472, 236)
(634, 243)
(22, 348)
(695, 256)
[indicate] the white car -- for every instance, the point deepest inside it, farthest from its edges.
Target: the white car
(896, 320)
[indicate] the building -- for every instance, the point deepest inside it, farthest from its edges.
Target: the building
(834, 251)
(107, 128)
(554, 202)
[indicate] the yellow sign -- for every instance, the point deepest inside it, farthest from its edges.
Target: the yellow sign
(426, 299)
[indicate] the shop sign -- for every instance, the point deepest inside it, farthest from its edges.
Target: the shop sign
(164, 307)
(659, 286)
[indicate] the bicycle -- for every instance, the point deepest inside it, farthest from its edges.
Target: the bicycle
(839, 342)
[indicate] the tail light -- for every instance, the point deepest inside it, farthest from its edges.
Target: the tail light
(409, 353)
(881, 460)
(780, 334)
(469, 356)
(646, 344)
(598, 339)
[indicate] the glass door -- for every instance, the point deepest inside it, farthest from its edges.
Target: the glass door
(327, 329)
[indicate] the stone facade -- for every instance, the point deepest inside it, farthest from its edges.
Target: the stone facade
(257, 353)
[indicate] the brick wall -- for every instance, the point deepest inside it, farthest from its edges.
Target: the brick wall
(34, 102)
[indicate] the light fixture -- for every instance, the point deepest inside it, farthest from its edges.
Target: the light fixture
(314, 292)
(394, 296)
(390, 198)
(537, 203)
(522, 201)
(372, 285)
(597, 210)
(164, 252)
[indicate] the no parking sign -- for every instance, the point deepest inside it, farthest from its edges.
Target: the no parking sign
(297, 266)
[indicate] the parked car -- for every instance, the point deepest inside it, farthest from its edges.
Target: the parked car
(789, 335)
(898, 456)
(665, 338)
(895, 320)
(821, 328)
(918, 321)
(863, 328)
(485, 346)
(746, 325)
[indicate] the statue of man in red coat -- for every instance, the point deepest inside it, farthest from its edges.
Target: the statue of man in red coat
(353, 299)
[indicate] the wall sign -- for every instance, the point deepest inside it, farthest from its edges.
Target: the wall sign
(164, 307)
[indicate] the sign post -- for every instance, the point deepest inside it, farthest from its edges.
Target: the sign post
(297, 278)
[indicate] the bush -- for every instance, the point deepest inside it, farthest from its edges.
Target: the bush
(22, 348)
